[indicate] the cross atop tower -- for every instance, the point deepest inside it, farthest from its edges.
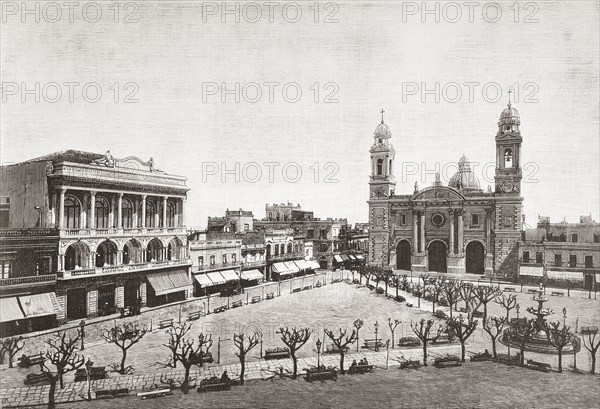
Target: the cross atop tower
(382, 112)
(509, 92)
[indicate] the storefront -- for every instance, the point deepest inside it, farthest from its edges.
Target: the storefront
(250, 278)
(167, 287)
(106, 300)
(39, 311)
(11, 317)
(76, 303)
(280, 271)
(224, 282)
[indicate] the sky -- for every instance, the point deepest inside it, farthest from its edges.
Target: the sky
(309, 87)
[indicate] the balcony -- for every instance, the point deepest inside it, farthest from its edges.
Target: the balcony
(121, 231)
(28, 232)
(28, 281)
(220, 266)
(253, 263)
(99, 271)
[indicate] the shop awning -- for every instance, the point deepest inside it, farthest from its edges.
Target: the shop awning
(302, 265)
(291, 266)
(359, 257)
(338, 258)
(38, 305)
(169, 282)
(203, 280)
(279, 268)
(216, 278)
(251, 275)
(531, 271)
(345, 257)
(229, 275)
(10, 310)
(313, 264)
(351, 257)
(566, 275)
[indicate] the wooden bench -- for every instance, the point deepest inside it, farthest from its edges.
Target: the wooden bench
(96, 373)
(409, 304)
(447, 361)
(297, 290)
(372, 344)
(443, 339)
(531, 291)
(483, 356)
(509, 289)
(165, 323)
(270, 296)
(320, 375)
(558, 293)
(154, 394)
(307, 287)
(277, 353)
(508, 359)
(409, 342)
(195, 315)
(538, 366)
(111, 393)
(207, 358)
(410, 364)
(220, 309)
(35, 379)
(360, 369)
(213, 387)
(256, 298)
(236, 304)
(25, 361)
(331, 349)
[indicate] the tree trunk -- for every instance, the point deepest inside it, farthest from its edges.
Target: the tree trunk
(424, 353)
(434, 306)
(243, 370)
(51, 393)
(507, 315)
(295, 360)
(397, 291)
(122, 370)
(342, 363)
(560, 360)
(522, 357)
(450, 310)
(185, 385)
(60, 376)
(494, 348)
(593, 371)
(484, 311)
(462, 351)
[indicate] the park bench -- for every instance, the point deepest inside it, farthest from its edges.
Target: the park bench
(409, 304)
(371, 287)
(372, 344)
(297, 290)
(442, 339)
(307, 287)
(409, 342)
(213, 384)
(96, 373)
(35, 379)
(270, 296)
(508, 359)
(236, 304)
(195, 315)
(220, 309)
(111, 393)
(318, 285)
(165, 323)
(320, 374)
(447, 361)
(482, 356)
(154, 394)
(331, 349)
(277, 353)
(360, 369)
(207, 358)
(256, 298)
(29, 360)
(410, 364)
(538, 366)
(531, 291)
(558, 293)
(509, 289)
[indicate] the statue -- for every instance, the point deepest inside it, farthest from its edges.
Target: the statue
(107, 160)
(153, 167)
(416, 187)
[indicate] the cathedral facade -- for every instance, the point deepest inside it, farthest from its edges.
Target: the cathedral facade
(457, 228)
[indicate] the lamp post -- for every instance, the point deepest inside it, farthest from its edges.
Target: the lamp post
(82, 333)
(219, 348)
(376, 331)
(318, 353)
(517, 307)
(88, 370)
(261, 344)
(358, 324)
(564, 315)
(387, 356)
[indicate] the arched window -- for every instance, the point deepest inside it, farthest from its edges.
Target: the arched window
(102, 210)
(150, 214)
(289, 248)
(106, 254)
(276, 250)
(170, 215)
(390, 167)
(72, 212)
(212, 261)
(379, 166)
(508, 158)
(127, 214)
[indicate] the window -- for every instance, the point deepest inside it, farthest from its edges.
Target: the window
(170, 215)
(4, 211)
(508, 158)
(589, 262)
(525, 257)
(390, 167)
(310, 233)
(379, 166)
(102, 211)
(507, 221)
(201, 261)
(475, 219)
(323, 247)
(246, 227)
(127, 218)
(403, 219)
(539, 258)
(574, 237)
(212, 261)
(224, 259)
(596, 238)
(72, 213)
(43, 266)
(233, 258)
(558, 260)
(323, 234)
(6, 269)
(573, 260)
(270, 215)
(150, 214)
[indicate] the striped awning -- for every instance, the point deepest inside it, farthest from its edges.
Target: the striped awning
(203, 280)
(351, 257)
(313, 264)
(359, 257)
(10, 310)
(345, 257)
(229, 275)
(291, 266)
(169, 282)
(531, 271)
(280, 268)
(38, 305)
(216, 278)
(251, 275)
(566, 275)
(302, 265)
(338, 258)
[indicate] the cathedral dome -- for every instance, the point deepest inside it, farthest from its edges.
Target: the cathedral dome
(509, 116)
(464, 179)
(382, 130)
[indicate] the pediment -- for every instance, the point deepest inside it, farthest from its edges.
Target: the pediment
(438, 192)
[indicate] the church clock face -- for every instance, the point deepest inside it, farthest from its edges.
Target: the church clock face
(507, 187)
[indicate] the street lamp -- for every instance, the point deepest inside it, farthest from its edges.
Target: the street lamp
(318, 353)
(219, 348)
(517, 307)
(376, 331)
(564, 315)
(88, 370)
(358, 325)
(82, 333)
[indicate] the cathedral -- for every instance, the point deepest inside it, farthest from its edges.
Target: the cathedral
(457, 228)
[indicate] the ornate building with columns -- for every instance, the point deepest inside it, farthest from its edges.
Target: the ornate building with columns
(111, 234)
(457, 228)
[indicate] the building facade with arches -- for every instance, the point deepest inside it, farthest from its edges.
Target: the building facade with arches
(117, 228)
(457, 228)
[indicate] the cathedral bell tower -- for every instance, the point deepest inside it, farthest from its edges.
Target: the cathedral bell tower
(382, 181)
(508, 152)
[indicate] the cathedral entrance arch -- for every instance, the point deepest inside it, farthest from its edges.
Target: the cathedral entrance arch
(475, 260)
(436, 256)
(403, 255)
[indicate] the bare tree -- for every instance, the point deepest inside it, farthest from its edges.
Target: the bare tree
(494, 327)
(61, 354)
(590, 343)
(124, 337)
(422, 330)
(404, 282)
(452, 293)
(12, 346)
(187, 351)
(294, 338)
(243, 349)
(436, 289)
(525, 328)
(462, 330)
(425, 278)
(393, 325)
(342, 343)
(508, 303)
(467, 294)
(417, 291)
(176, 334)
(559, 338)
(485, 294)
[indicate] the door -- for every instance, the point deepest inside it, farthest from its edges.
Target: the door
(475, 262)
(436, 256)
(403, 255)
(76, 303)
